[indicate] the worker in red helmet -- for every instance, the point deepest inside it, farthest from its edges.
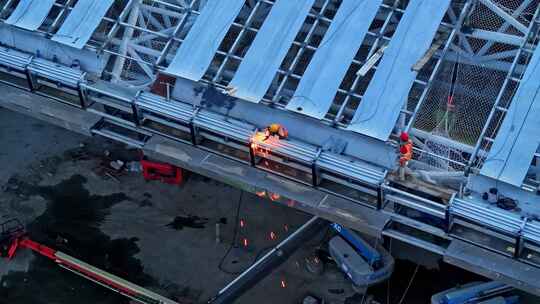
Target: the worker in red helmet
(406, 153)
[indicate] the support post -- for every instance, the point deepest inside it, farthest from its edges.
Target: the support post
(32, 86)
(192, 133)
(314, 174)
(252, 153)
(136, 116)
(128, 34)
(82, 96)
(380, 198)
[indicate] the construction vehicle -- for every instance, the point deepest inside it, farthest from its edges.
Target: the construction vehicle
(13, 237)
(364, 264)
(478, 293)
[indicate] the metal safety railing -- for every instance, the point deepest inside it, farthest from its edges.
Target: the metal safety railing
(201, 124)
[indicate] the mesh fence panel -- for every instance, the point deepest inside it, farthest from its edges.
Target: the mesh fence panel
(464, 91)
(525, 16)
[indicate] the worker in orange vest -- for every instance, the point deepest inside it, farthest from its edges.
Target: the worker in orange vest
(276, 129)
(406, 153)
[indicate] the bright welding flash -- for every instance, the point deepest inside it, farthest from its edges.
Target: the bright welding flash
(274, 196)
(245, 242)
(273, 236)
(242, 223)
(283, 284)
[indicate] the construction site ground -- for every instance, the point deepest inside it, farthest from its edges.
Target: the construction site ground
(61, 186)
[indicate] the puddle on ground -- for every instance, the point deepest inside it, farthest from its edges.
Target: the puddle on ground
(70, 224)
(191, 221)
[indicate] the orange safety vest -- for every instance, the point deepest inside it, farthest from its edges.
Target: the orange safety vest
(406, 151)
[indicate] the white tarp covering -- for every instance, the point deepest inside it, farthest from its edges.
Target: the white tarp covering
(326, 71)
(273, 41)
(30, 14)
(389, 89)
(199, 48)
(82, 21)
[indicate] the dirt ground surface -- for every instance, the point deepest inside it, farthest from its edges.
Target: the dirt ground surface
(163, 237)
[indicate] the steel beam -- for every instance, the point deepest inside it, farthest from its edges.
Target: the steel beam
(124, 47)
(275, 257)
(306, 198)
(504, 15)
(493, 266)
(505, 26)
(509, 79)
(497, 37)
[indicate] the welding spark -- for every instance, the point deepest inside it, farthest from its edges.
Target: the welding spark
(257, 138)
(274, 196)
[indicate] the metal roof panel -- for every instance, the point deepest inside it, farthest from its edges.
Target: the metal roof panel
(81, 23)
(30, 14)
(198, 49)
(326, 71)
(273, 41)
(389, 89)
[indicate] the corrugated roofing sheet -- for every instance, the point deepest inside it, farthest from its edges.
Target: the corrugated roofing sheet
(389, 89)
(198, 49)
(273, 41)
(30, 14)
(82, 21)
(326, 71)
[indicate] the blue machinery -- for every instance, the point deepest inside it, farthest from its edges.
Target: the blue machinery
(370, 254)
(364, 264)
(117, 70)
(478, 293)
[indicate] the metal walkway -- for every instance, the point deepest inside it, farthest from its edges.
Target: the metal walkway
(268, 53)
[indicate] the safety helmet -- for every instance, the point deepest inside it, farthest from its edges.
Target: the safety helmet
(274, 128)
(404, 136)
